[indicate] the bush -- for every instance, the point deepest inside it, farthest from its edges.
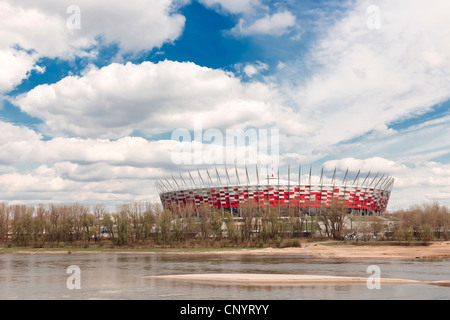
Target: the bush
(295, 243)
(404, 233)
(425, 232)
(38, 244)
(277, 242)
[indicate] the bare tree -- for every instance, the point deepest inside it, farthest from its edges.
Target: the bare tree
(108, 222)
(203, 225)
(99, 213)
(40, 225)
(122, 225)
(4, 222)
(22, 224)
(89, 226)
(271, 224)
(163, 222)
(148, 221)
(333, 218)
(377, 226)
(248, 215)
(426, 220)
(295, 221)
(215, 220)
(231, 228)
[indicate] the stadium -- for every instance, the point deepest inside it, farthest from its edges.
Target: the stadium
(231, 189)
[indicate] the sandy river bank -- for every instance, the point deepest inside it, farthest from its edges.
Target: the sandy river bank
(343, 251)
(327, 250)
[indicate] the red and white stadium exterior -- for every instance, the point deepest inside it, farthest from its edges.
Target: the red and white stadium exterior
(371, 195)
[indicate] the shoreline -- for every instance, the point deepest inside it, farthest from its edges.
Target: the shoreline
(320, 250)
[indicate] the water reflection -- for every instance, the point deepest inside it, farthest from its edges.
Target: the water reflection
(123, 276)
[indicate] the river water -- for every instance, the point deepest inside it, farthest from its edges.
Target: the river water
(123, 276)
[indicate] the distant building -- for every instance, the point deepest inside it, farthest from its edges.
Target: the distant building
(230, 189)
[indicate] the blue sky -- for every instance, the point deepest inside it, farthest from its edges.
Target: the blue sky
(88, 113)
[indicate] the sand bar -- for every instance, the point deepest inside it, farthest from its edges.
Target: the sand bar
(285, 279)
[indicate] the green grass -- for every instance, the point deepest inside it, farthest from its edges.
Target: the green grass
(106, 250)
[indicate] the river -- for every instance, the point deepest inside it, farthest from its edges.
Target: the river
(123, 276)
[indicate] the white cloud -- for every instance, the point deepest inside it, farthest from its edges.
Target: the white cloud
(86, 170)
(113, 171)
(92, 170)
(42, 25)
(101, 171)
(232, 6)
(40, 187)
(12, 133)
(20, 145)
(373, 165)
(364, 79)
(252, 69)
(252, 21)
(116, 100)
(32, 29)
(413, 145)
(381, 131)
(422, 184)
(15, 66)
(276, 24)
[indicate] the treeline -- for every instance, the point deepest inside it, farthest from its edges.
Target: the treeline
(147, 224)
(144, 224)
(423, 222)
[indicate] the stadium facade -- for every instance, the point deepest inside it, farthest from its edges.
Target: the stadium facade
(367, 193)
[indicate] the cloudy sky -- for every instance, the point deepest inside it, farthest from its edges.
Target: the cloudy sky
(91, 92)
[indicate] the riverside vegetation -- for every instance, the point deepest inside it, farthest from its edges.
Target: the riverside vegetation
(147, 225)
